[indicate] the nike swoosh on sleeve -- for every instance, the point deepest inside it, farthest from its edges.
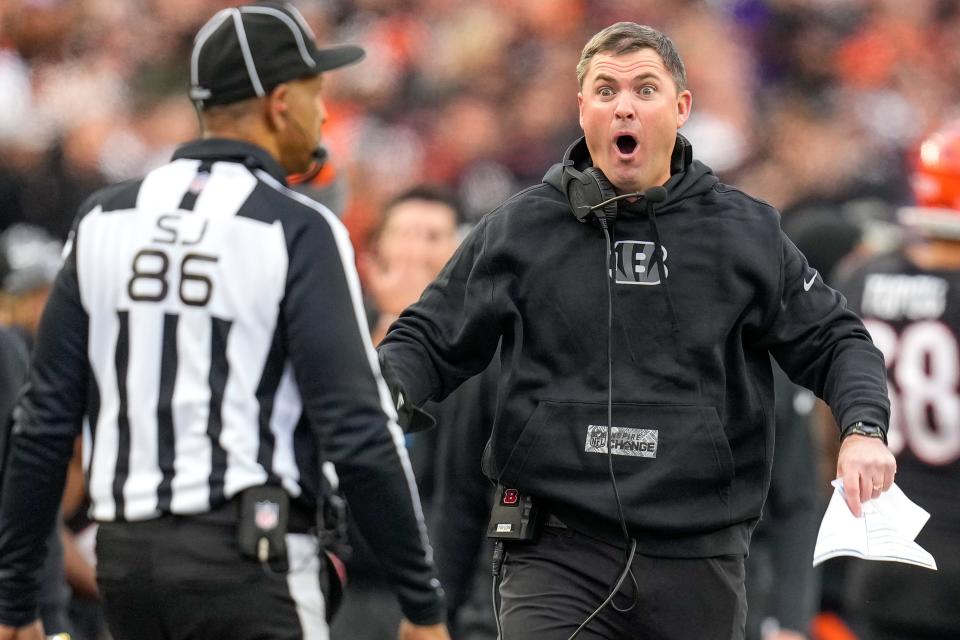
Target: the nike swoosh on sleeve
(807, 284)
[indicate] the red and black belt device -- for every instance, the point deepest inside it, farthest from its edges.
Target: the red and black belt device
(514, 516)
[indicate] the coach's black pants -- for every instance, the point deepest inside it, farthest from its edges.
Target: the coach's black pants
(184, 578)
(551, 586)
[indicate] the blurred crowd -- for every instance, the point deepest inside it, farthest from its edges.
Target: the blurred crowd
(801, 102)
(813, 105)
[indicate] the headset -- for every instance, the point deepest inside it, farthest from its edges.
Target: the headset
(589, 192)
(319, 153)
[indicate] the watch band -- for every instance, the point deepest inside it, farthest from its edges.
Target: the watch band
(861, 428)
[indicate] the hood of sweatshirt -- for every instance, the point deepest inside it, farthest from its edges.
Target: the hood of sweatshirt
(688, 177)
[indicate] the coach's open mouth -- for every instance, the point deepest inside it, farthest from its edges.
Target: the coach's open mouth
(626, 144)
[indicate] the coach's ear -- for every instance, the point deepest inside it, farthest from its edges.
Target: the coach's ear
(410, 418)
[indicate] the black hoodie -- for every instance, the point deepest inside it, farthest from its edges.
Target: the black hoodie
(692, 382)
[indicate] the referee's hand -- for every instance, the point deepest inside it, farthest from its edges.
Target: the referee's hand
(410, 631)
(30, 632)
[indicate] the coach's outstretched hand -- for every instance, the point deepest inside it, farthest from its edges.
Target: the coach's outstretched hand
(410, 631)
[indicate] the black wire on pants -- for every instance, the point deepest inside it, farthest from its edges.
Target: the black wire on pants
(498, 555)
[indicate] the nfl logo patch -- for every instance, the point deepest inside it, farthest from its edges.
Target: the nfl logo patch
(596, 439)
(266, 515)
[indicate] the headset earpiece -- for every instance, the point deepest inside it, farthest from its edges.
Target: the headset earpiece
(588, 188)
(604, 191)
(682, 155)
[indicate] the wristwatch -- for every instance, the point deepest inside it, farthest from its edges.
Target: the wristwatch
(861, 428)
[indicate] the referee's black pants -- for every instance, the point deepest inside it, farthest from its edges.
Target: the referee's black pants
(181, 577)
(551, 586)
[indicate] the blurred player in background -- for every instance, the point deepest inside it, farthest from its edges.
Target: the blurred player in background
(910, 302)
(29, 261)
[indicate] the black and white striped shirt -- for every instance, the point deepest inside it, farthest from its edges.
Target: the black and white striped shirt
(207, 324)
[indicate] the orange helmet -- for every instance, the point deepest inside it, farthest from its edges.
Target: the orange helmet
(936, 184)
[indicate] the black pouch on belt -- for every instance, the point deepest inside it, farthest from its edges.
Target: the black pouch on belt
(264, 514)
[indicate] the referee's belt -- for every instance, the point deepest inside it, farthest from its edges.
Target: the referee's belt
(303, 517)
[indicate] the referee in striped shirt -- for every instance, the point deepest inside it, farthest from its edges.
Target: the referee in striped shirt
(206, 336)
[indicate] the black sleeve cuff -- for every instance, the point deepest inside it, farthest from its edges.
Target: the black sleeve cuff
(18, 617)
(426, 614)
(410, 417)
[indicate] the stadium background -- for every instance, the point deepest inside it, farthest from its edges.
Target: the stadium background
(801, 102)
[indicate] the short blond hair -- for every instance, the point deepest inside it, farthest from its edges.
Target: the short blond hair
(624, 37)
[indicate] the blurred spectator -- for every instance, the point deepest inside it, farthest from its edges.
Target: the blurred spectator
(451, 77)
(416, 237)
(29, 261)
(20, 278)
(821, 157)
(418, 233)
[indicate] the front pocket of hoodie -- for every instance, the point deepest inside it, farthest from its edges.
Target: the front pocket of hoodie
(669, 460)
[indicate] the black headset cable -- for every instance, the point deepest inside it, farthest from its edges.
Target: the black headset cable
(609, 275)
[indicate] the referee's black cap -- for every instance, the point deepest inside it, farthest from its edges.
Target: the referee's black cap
(242, 52)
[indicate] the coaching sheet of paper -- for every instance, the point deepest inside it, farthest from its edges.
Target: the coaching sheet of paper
(885, 531)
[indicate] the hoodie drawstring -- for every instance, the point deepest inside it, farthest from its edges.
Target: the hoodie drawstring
(657, 261)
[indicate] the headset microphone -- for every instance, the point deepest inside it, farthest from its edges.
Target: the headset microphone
(653, 195)
(589, 192)
(600, 205)
(319, 153)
